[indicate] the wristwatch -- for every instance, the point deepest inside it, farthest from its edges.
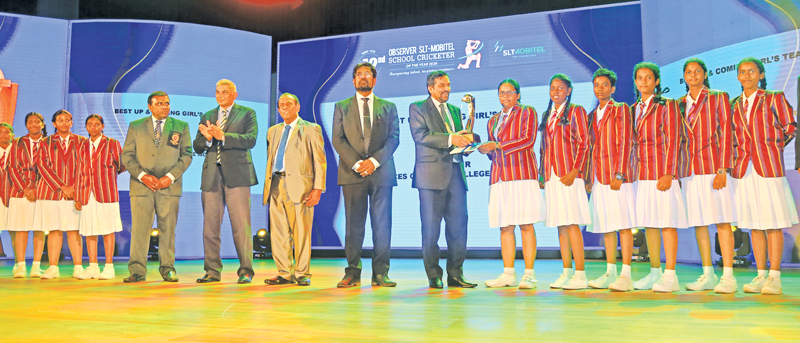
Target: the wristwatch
(621, 177)
(721, 171)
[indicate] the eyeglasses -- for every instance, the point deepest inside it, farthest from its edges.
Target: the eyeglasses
(507, 94)
(364, 75)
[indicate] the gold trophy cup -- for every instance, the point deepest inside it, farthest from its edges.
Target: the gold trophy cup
(469, 99)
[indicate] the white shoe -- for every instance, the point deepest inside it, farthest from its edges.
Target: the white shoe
(666, 285)
(77, 271)
(726, 285)
(772, 286)
(576, 283)
(623, 284)
(93, 272)
(19, 272)
(528, 282)
(703, 283)
(36, 272)
(107, 274)
(51, 272)
(755, 285)
(603, 281)
(562, 279)
(646, 283)
(504, 280)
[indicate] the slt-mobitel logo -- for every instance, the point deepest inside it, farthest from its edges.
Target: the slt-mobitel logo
(518, 52)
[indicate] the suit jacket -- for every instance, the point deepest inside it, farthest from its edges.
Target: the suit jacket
(97, 173)
(657, 139)
(304, 159)
(241, 135)
(611, 141)
(706, 131)
(140, 154)
(433, 163)
(349, 142)
(22, 165)
(762, 139)
(566, 147)
(5, 174)
(517, 159)
(57, 166)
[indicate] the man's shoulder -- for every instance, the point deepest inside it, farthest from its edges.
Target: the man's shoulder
(384, 101)
(419, 103)
(345, 102)
(242, 108)
(139, 121)
(178, 122)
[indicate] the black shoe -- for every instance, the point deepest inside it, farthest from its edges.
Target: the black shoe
(134, 278)
(349, 281)
(171, 277)
(460, 282)
(245, 279)
(383, 281)
(207, 278)
(278, 280)
(304, 281)
(435, 283)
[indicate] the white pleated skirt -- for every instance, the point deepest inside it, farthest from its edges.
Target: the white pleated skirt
(566, 205)
(3, 217)
(98, 219)
(20, 214)
(56, 215)
(764, 203)
(706, 205)
(516, 203)
(612, 210)
(657, 209)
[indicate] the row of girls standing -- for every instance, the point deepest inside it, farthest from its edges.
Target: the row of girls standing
(660, 164)
(59, 184)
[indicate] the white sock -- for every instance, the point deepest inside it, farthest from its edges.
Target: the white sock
(655, 271)
(109, 265)
(92, 265)
(670, 273)
(568, 272)
(611, 268)
(626, 270)
(727, 272)
(580, 274)
(529, 272)
(775, 274)
(762, 272)
(36, 264)
(509, 271)
(22, 265)
(709, 270)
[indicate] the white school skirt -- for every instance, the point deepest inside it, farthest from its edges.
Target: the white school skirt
(706, 205)
(98, 219)
(657, 209)
(20, 214)
(566, 205)
(56, 215)
(3, 217)
(516, 203)
(764, 203)
(612, 210)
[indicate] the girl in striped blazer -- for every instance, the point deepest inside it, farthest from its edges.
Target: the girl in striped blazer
(55, 191)
(22, 204)
(763, 121)
(514, 198)
(612, 201)
(97, 195)
(564, 150)
(705, 162)
(660, 207)
(6, 148)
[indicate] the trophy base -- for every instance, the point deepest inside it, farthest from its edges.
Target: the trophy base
(473, 137)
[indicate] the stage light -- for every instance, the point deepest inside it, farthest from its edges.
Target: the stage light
(741, 248)
(640, 246)
(261, 244)
(152, 253)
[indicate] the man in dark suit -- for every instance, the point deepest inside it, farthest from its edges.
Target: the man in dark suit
(156, 153)
(366, 132)
(226, 134)
(439, 176)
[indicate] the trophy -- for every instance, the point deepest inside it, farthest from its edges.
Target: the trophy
(8, 99)
(469, 99)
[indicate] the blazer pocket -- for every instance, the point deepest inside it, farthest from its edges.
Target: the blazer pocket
(308, 176)
(428, 158)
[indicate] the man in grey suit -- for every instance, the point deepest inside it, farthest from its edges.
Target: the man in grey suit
(366, 132)
(226, 134)
(439, 176)
(156, 153)
(295, 181)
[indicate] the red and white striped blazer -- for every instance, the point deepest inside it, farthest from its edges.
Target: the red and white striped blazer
(762, 139)
(23, 167)
(707, 134)
(517, 159)
(57, 166)
(611, 143)
(5, 175)
(657, 139)
(566, 147)
(97, 173)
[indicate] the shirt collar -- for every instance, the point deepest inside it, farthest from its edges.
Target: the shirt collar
(648, 101)
(7, 149)
(227, 108)
(558, 109)
(436, 103)
(371, 97)
(293, 124)
(153, 118)
(750, 98)
(96, 142)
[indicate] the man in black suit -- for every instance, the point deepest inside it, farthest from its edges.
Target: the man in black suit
(439, 176)
(366, 133)
(226, 134)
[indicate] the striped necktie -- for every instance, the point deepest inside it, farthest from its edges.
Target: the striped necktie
(221, 126)
(282, 148)
(158, 132)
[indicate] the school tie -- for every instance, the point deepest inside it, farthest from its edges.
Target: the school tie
(158, 132)
(63, 143)
(641, 111)
(448, 122)
(221, 126)
(367, 126)
(282, 148)
(746, 112)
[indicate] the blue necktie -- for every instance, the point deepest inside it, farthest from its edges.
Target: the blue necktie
(282, 148)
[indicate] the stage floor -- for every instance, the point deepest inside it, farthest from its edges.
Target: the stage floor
(154, 311)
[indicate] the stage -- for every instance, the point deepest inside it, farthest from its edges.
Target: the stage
(67, 309)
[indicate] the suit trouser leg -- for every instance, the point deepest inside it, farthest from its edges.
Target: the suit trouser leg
(455, 218)
(167, 217)
(143, 209)
(302, 239)
(213, 210)
(380, 213)
(431, 210)
(355, 209)
(281, 220)
(238, 202)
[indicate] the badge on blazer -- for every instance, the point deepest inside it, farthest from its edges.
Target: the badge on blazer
(174, 139)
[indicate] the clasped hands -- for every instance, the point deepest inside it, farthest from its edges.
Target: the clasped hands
(155, 183)
(365, 167)
(211, 131)
(459, 139)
